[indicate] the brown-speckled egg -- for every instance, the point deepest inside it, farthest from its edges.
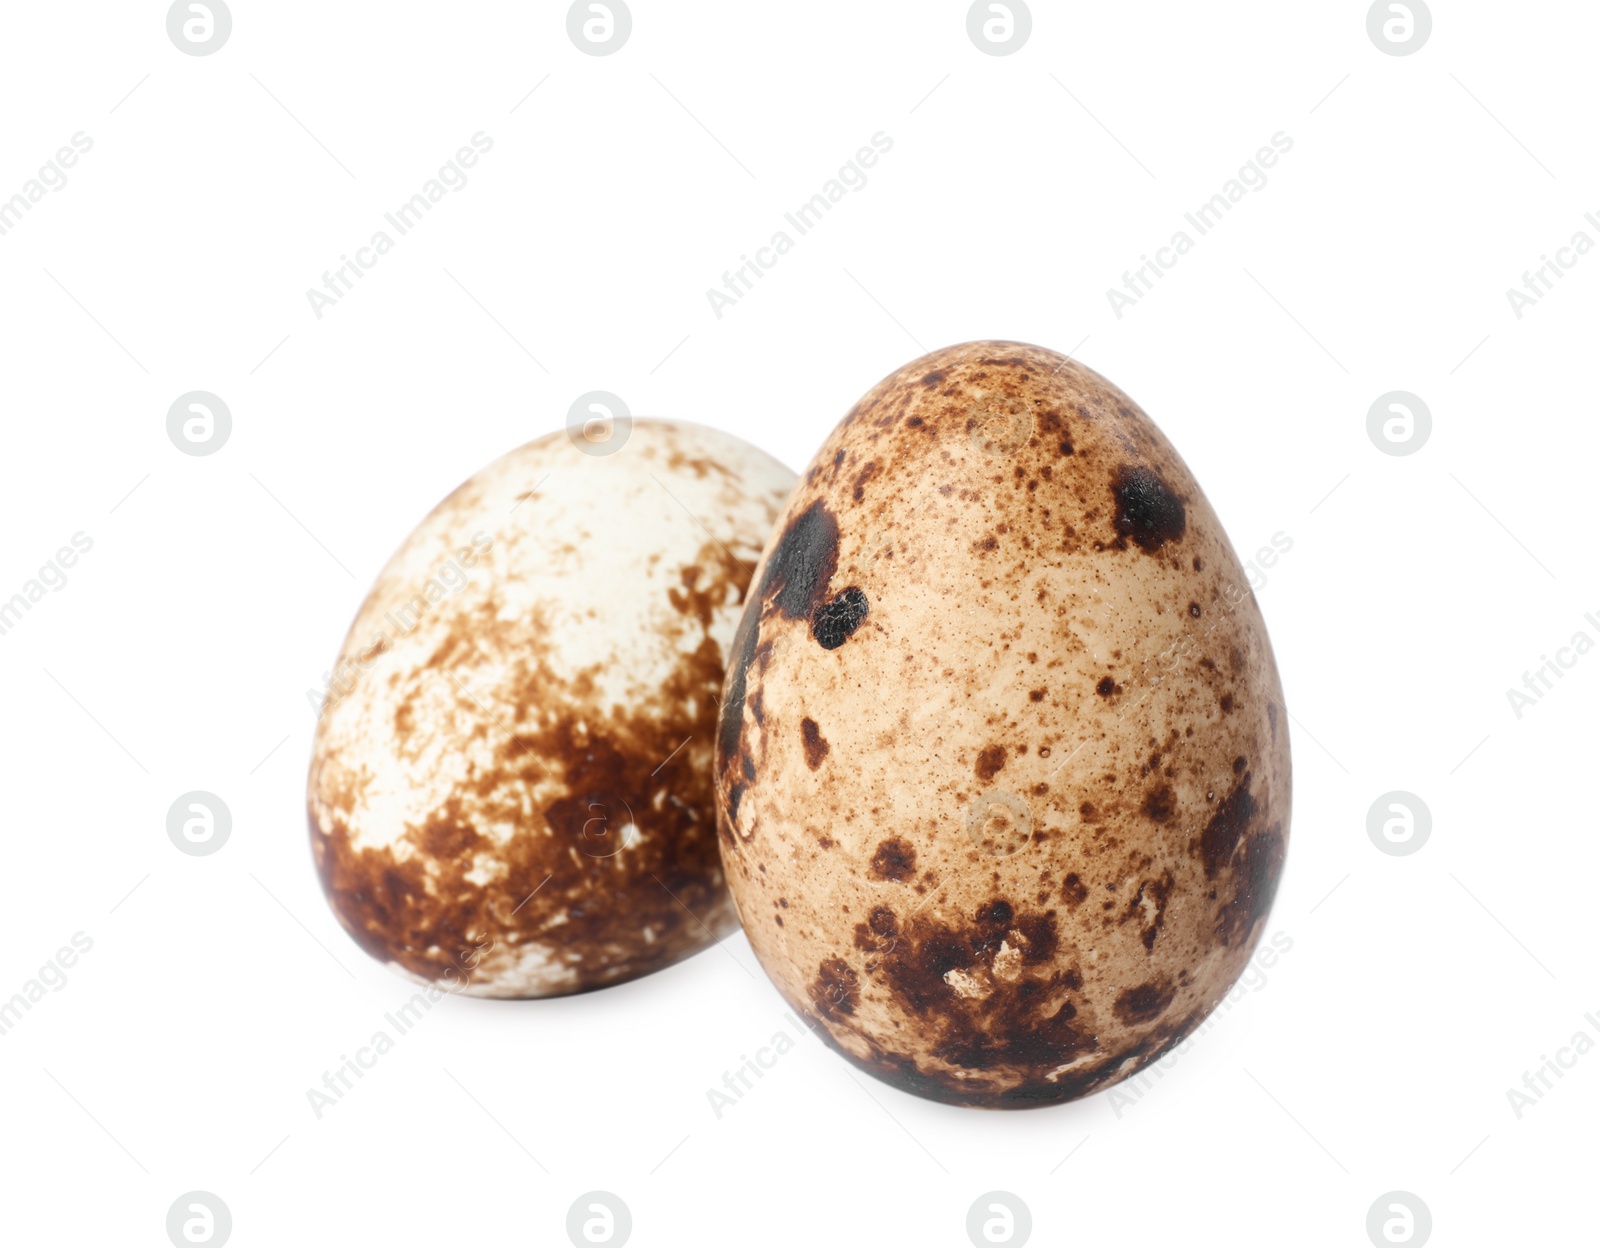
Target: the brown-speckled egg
(511, 788)
(1003, 765)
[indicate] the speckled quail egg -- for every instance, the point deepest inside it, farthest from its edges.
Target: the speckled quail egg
(1003, 766)
(511, 791)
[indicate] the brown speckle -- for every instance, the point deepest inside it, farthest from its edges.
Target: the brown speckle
(816, 748)
(1147, 511)
(796, 577)
(834, 623)
(894, 859)
(1159, 803)
(1226, 827)
(991, 759)
(835, 991)
(1144, 1004)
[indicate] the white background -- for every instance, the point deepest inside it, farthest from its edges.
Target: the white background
(1377, 1053)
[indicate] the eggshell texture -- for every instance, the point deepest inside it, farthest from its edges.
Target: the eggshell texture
(1003, 766)
(511, 788)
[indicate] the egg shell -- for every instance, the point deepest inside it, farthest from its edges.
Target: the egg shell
(510, 790)
(1003, 765)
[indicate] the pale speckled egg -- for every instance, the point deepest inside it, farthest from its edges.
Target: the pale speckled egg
(1003, 765)
(511, 790)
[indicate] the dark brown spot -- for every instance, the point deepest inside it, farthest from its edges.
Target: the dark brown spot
(1160, 803)
(816, 748)
(995, 912)
(1149, 908)
(1144, 1004)
(1256, 876)
(1194, 610)
(1036, 695)
(1106, 687)
(1073, 891)
(1024, 1022)
(990, 761)
(1263, 864)
(1039, 941)
(859, 492)
(1147, 511)
(834, 622)
(1227, 826)
(730, 724)
(894, 859)
(796, 577)
(835, 991)
(795, 580)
